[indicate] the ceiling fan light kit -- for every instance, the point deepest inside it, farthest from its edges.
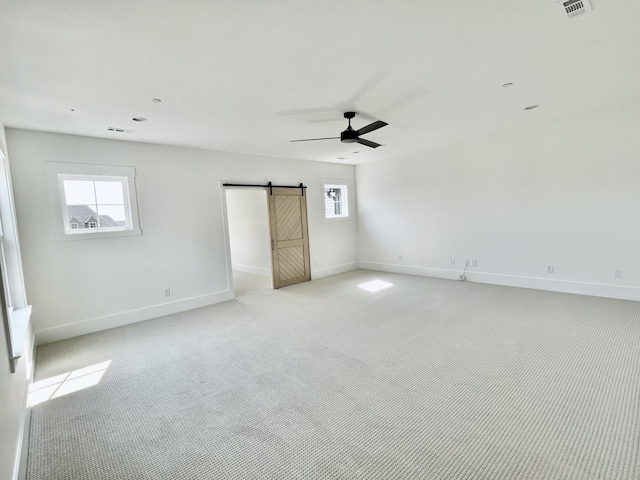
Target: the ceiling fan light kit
(353, 136)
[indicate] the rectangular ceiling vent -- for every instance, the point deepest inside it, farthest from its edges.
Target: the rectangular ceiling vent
(118, 130)
(576, 7)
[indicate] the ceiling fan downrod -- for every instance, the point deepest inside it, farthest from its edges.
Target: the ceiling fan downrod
(349, 135)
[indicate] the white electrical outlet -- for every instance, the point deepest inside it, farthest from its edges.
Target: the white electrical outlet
(400, 257)
(474, 263)
(453, 261)
(549, 268)
(467, 263)
(167, 292)
(618, 273)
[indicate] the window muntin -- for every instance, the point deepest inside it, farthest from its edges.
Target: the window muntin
(94, 203)
(336, 201)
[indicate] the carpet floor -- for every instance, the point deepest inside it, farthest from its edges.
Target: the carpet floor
(426, 379)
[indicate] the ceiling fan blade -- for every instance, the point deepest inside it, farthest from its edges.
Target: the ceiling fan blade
(368, 143)
(313, 139)
(372, 126)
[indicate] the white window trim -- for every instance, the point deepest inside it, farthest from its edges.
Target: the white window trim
(347, 202)
(69, 230)
(58, 171)
(17, 315)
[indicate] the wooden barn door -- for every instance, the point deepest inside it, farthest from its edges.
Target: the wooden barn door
(289, 236)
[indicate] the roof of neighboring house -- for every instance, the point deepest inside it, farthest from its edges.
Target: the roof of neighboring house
(84, 214)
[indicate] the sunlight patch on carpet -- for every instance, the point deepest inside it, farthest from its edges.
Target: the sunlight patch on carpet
(66, 383)
(375, 285)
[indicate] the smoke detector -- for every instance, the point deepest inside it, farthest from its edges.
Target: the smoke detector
(573, 8)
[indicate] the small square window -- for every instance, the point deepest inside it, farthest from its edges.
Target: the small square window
(95, 201)
(336, 201)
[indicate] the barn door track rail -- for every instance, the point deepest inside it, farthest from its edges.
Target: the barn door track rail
(269, 185)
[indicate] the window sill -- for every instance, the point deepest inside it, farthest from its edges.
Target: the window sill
(336, 219)
(19, 319)
(99, 234)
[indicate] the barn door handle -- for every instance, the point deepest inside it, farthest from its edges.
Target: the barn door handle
(273, 245)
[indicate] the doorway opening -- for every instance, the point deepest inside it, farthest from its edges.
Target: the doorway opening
(286, 233)
(249, 239)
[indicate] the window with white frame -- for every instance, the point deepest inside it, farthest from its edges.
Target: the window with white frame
(336, 201)
(95, 201)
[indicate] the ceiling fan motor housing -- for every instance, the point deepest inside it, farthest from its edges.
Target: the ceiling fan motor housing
(349, 136)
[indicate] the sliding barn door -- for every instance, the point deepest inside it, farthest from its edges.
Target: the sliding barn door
(289, 236)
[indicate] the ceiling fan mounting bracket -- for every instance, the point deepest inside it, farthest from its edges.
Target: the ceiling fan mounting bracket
(349, 115)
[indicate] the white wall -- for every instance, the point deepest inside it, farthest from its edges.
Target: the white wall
(13, 387)
(13, 399)
(565, 194)
(81, 286)
(249, 233)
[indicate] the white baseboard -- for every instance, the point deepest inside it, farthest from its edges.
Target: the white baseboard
(83, 327)
(22, 444)
(334, 270)
(263, 272)
(620, 292)
(410, 270)
(21, 461)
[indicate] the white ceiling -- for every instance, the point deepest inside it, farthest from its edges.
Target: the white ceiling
(247, 76)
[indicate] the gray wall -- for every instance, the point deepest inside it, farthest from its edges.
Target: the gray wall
(564, 194)
(87, 285)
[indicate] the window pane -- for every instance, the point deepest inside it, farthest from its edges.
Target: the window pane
(335, 201)
(79, 192)
(111, 216)
(109, 193)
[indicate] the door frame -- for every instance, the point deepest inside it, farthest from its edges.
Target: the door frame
(225, 223)
(223, 186)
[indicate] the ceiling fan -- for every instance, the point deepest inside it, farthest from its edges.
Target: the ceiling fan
(353, 136)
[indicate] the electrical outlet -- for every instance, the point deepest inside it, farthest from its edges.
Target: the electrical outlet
(453, 261)
(167, 292)
(400, 257)
(467, 263)
(549, 268)
(618, 273)
(474, 263)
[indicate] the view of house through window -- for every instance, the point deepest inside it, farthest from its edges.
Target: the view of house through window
(336, 204)
(94, 203)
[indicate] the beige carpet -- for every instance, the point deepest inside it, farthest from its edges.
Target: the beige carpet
(244, 282)
(427, 379)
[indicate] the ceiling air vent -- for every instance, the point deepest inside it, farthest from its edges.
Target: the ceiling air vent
(576, 7)
(119, 130)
